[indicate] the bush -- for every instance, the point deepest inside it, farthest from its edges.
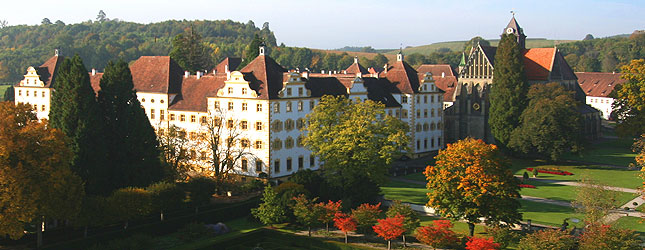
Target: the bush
(251, 186)
(438, 235)
(193, 231)
(482, 244)
(129, 203)
(200, 190)
(165, 196)
(504, 236)
(366, 216)
(548, 239)
(601, 237)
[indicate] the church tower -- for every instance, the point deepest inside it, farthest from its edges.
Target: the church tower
(514, 28)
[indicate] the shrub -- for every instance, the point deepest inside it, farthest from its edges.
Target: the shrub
(165, 196)
(504, 236)
(602, 237)
(389, 228)
(366, 216)
(129, 203)
(200, 190)
(438, 235)
(482, 244)
(548, 239)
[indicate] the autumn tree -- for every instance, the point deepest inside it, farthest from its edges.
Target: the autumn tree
(328, 211)
(629, 102)
(270, 211)
(508, 94)
(475, 243)
(129, 203)
(357, 142)
(306, 211)
(190, 52)
(366, 216)
(345, 223)
(438, 235)
(550, 125)
(36, 180)
(175, 147)
(470, 180)
(4, 71)
(594, 200)
(548, 239)
(606, 237)
(410, 218)
(76, 113)
(389, 228)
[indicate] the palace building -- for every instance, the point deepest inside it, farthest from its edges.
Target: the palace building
(266, 103)
(468, 116)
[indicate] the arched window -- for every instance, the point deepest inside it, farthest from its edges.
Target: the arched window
(418, 127)
(299, 141)
(300, 123)
(288, 125)
(432, 126)
(277, 144)
(276, 126)
(288, 143)
(426, 126)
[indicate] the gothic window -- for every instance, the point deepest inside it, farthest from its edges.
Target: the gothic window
(288, 143)
(300, 123)
(277, 126)
(277, 144)
(288, 125)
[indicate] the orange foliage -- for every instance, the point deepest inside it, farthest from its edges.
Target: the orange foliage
(482, 244)
(389, 228)
(438, 235)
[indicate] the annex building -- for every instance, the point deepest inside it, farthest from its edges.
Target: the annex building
(468, 114)
(597, 86)
(262, 102)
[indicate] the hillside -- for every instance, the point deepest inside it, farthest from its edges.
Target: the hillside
(98, 42)
(459, 45)
(368, 55)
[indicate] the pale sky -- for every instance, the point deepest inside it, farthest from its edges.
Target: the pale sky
(380, 24)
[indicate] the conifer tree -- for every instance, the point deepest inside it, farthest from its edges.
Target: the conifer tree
(190, 52)
(75, 112)
(132, 145)
(252, 50)
(508, 93)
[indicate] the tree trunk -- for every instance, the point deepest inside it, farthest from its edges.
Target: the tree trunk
(389, 244)
(85, 232)
(471, 229)
(309, 231)
(327, 225)
(125, 225)
(404, 245)
(161, 215)
(345, 237)
(39, 234)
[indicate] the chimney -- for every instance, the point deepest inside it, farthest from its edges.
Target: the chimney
(356, 59)
(93, 72)
(186, 74)
(226, 68)
(56, 52)
(305, 74)
(385, 68)
(344, 71)
(443, 74)
(322, 71)
(198, 74)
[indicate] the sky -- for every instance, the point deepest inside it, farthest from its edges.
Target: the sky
(381, 24)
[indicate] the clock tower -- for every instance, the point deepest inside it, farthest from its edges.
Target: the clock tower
(514, 28)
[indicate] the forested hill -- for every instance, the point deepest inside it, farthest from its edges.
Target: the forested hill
(98, 42)
(604, 54)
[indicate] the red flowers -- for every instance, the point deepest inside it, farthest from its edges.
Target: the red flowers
(526, 186)
(551, 171)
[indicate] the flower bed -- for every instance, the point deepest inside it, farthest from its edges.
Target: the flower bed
(526, 186)
(551, 171)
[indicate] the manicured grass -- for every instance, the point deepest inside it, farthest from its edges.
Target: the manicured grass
(415, 177)
(609, 151)
(615, 177)
(238, 227)
(633, 223)
(565, 193)
(458, 226)
(405, 192)
(548, 214)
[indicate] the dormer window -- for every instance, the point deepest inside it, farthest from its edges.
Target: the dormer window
(404, 99)
(288, 91)
(300, 91)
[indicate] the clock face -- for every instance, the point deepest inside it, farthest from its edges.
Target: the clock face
(509, 30)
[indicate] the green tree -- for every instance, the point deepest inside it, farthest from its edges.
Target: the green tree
(132, 143)
(356, 141)
(550, 125)
(165, 196)
(200, 191)
(366, 216)
(594, 200)
(36, 181)
(629, 104)
(606, 237)
(9, 94)
(473, 43)
(45, 21)
(548, 239)
(508, 93)
(4, 72)
(470, 180)
(271, 210)
(75, 112)
(252, 50)
(190, 52)
(306, 211)
(410, 218)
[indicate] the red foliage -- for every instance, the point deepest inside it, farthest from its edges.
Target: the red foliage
(329, 210)
(553, 171)
(438, 235)
(344, 222)
(389, 228)
(526, 186)
(482, 244)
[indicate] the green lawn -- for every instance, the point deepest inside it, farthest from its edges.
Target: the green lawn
(616, 177)
(565, 193)
(548, 214)
(609, 151)
(405, 192)
(415, 177)
(633, 223)
(458, 226)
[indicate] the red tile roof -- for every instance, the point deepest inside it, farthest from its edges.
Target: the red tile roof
(95, 80)
(538, 63)
(436, 69)
(404, 77)
(356, 68)
(265, 77)
(47, 71)
(156, 74)
(231, 62)
(598, 84)
(447, 83)
(195, 92)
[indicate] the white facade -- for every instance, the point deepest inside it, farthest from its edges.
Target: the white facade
(32, 90)
(601, 103)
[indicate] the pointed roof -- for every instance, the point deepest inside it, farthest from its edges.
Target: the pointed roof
(231, 62)
(47, 71)
(462, 63)
(356, 68)
(195, 92)
(156, 74)
(599, 84)
(404, 77)
(265, 76)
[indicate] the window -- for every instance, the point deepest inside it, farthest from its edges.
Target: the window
(216, 105)
(438, 125)
(432, 98)
(288, 164)
(229, 123)
(244, 125)
(152, 113)
(432, 112)
(432, 126)
(258, 144)
(397, 113)
(230, 142)
(432, 142)
(299, 141)
(230, 105)
(425, 97)
(42, 108)
(301, 162)
(182, 117)
(425, 87)
(418, 144)
(43, 94)
(425, 113)
(258, 125)
(300, 123)
(418, 113)
(162, 114)
(418, 127)
(20, 92)
(258, 166)
(203, 120)
(288, 106)
(244, 164)
(288, 143)
(288, 91)
(277, 126)
(277, 144)
(142, 99)
(312, 104)
(300, 91)
(244, 106)
(439, 142)
(244, 91)
(418, 99)
(244, 143)
(172, 117)
(152, 100)
(288, 125)
(312, 161)
(161, 101)
(35, 107)
(425, 143)
(404, 113)
(426, 127)
(193, 118)
(404, 99)
(276, 166)
(276, 108)
(27, 92)
(259, 107)
(299, 105)
(230, 90)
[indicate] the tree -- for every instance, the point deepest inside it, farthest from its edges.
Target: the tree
(345, 223)
(165, 196)
(475, 243)
(588, 37)
(410, 218)
(9, 94)
(356, 141)
(4, 71)
(200, 190)
(101, 17)
(174, 145)
(550, 125)
(306, 211)
(45, 21)
(438, 235)
(132, 145)
(470, 180)
(329, 211)
(548, 239)
(629, 104)
(594, 200)
(609, 62)
(129, 203)
(606, 237)
(190, 52)
(76, 113)
(3, 24)
(389, 228)
(252, 50)
(36, 181)
(366, 216)
(639, 149)
(473, 43)
(271, 210)
(508, 94)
